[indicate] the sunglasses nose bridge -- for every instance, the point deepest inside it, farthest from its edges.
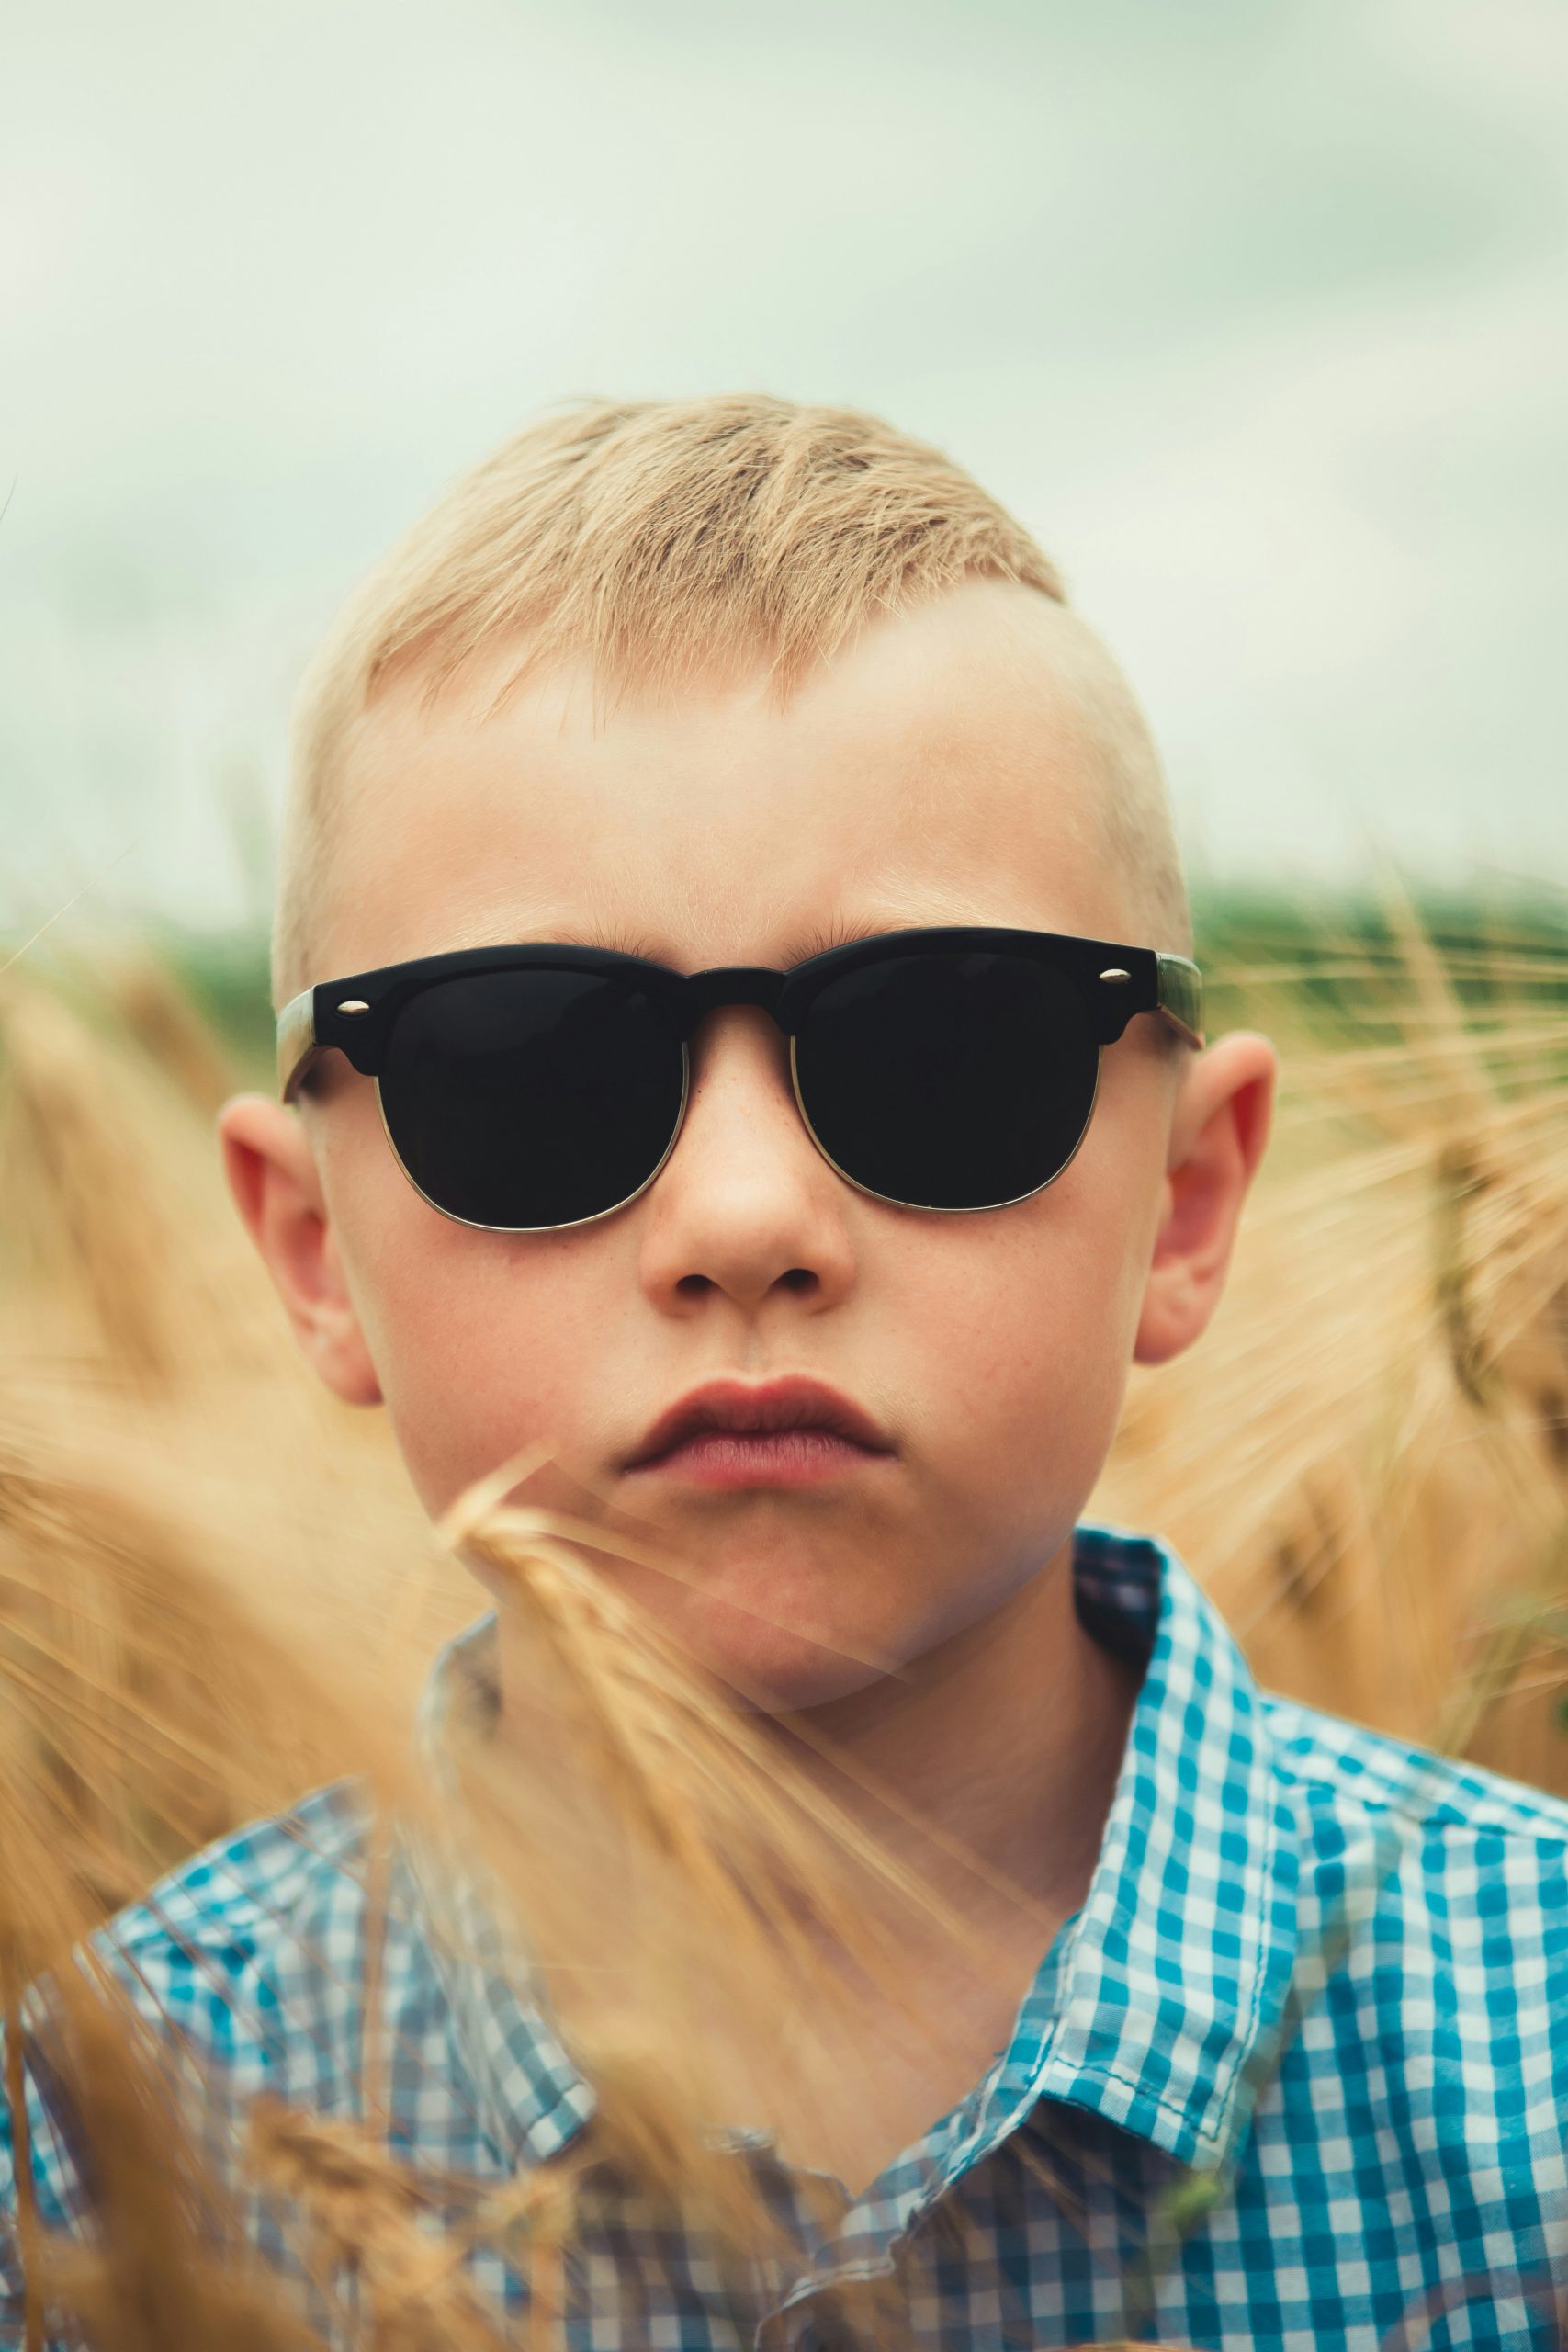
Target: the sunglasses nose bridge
(727, 984)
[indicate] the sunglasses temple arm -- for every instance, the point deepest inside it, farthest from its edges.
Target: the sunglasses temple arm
(1180, 995)
(296, 1042)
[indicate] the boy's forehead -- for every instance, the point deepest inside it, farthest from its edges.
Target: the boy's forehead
(940, 769)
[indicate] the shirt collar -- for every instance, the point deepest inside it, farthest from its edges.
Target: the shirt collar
(1171, 1983)
(1158, 2006)
(529, 2095)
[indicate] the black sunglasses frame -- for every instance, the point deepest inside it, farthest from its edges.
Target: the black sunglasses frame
(356, 1014)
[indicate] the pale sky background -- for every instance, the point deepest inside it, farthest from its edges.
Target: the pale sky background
(1254, 311)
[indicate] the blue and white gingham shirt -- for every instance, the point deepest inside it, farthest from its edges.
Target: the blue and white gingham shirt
(1295, 2075)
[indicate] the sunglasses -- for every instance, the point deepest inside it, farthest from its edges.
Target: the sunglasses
(528, 1088)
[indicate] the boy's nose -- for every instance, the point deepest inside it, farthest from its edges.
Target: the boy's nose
(745, 1203)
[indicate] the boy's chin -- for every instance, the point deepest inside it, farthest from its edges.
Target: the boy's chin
(798, 1634)
(792, 1685)
(773, 1669)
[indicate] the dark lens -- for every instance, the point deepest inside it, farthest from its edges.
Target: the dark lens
(532, 1097)
(948, 1081)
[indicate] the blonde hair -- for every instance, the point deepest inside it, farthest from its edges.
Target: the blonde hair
(668, 541)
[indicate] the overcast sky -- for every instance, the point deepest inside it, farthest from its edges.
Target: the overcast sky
(1254, 311)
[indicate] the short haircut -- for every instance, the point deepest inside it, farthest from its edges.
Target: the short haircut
(666, 541)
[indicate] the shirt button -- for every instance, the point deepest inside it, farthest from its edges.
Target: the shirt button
(825, 2335)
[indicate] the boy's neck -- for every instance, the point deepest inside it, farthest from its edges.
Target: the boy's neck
(987, 1770)
(988, 1767)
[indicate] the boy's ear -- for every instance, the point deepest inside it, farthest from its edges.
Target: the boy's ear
(272, 1175)
(1219, 1128)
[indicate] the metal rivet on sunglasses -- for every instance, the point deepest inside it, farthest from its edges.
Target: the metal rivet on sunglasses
(357, 1004)
(1115, 975)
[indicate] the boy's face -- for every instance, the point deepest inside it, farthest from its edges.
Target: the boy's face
(936, 773)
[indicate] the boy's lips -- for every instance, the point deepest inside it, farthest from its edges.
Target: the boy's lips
(785, 1432)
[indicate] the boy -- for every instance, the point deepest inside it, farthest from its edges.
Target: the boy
(835, 1288)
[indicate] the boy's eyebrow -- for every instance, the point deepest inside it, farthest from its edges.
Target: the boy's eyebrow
(616, 937)
(930, 911)
(817, 939)
(836, 930)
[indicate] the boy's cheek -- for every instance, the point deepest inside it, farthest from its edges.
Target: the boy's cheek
(1002, 1347)
(474, 1366)
(1037, 1316)
(481, 1345)
(1004, 1418)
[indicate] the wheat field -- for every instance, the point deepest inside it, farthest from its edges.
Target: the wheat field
(216, 1589)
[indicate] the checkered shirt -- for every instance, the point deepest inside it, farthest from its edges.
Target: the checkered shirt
(1295, 2075)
